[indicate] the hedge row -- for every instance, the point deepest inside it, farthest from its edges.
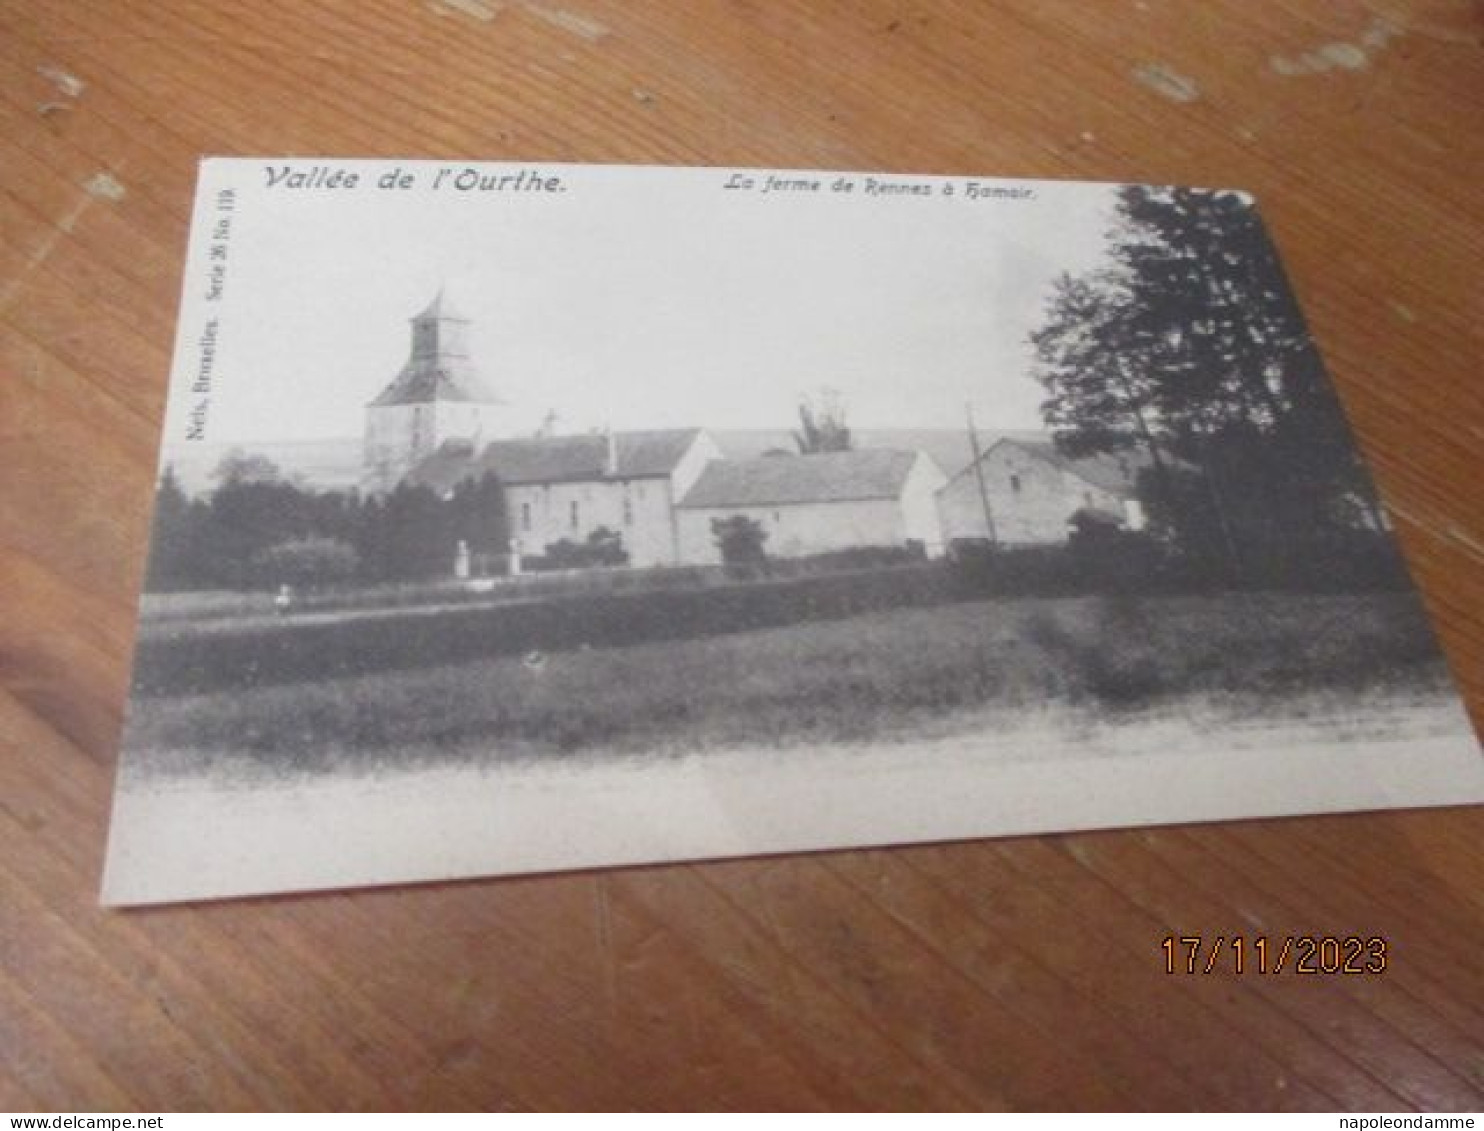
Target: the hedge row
(174, 660)
(291, 650)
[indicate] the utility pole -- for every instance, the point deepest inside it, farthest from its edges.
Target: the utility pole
(979, 475)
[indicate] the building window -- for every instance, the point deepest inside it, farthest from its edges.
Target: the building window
(628, 511)
(1015, 483)
(573, 514)
(525, 517)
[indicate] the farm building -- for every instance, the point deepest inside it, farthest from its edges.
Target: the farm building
(811, 504)
(566, 487)
(1034, 493)
(438, 424)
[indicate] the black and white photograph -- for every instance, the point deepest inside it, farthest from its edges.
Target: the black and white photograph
(518, 518)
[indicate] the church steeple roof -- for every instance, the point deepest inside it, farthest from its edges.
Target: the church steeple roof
(438, 368)
(424, 384)
(440, 310)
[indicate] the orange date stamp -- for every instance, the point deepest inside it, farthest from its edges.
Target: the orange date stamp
(1275, 954)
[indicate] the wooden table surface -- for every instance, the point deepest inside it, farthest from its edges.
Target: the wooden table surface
(1021, 973)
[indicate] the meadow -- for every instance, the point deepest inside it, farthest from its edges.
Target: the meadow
(898, 674)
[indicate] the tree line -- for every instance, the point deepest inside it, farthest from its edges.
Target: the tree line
(258, 529)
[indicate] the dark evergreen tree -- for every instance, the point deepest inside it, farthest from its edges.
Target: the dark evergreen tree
(174, 542)
(245, 517)
(477, 515)
(1190, 346)
(417, 539)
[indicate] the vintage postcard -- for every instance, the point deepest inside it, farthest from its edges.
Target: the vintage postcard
(517, 518)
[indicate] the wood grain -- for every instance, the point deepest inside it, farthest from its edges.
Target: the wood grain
(1020, 973)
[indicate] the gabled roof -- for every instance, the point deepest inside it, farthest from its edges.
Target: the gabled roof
(1115, 474)
(655, 452)
(554, 459)
(557, 459)
(423, 381)
(948, 448)
(1118, 475)
(830, 477)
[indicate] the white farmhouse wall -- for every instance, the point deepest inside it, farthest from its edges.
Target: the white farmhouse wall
(799, 529)
(920, 519)
(649, 531)
(1030, 498)
(540, 514)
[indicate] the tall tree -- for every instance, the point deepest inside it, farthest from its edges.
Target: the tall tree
(417, 538)
(822, 425)
(1101, 394)
(253, 507)
(1189, 343)
(173, 541)
(477, 515)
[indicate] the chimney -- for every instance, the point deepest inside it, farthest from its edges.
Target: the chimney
(611, 467)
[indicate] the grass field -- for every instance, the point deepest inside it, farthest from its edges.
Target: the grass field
(898, 674)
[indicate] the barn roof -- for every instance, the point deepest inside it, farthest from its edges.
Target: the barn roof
(1115, 474)
(829, 477)
(557, 459)
(1118, 475)
(948, 448)
(654, 452)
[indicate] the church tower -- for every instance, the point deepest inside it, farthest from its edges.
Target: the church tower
(438, 396)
